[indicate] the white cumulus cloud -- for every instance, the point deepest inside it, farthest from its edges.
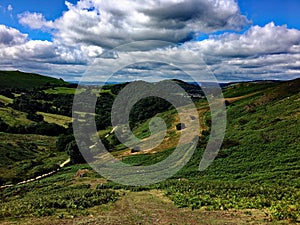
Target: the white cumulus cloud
(111, 23)
(260, 53)
(269, 39)
(34, 20)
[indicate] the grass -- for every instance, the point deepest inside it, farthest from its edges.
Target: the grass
(61, 200)
(26, 156)
(14, 117)
(267, 142)
(148, 158)
(260, 154)
(17, 79)
(240, 89)
(57, 119)
(91, 200)
(280, 202)
(60, 90)
(254, 178)
(64, 197)
(5, 100)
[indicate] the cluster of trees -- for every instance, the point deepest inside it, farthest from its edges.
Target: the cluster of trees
(3, 126)
(66, 142)
(146, 109)
(103, 111)
(39, 101)
(42, 128)
(7, 92)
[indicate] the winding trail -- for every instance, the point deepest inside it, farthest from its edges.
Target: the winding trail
(38, 177)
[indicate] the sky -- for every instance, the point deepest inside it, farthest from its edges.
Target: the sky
(234, 40)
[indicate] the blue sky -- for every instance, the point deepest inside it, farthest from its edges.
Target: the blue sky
(280, 11)
(50, 9)
(238, 40)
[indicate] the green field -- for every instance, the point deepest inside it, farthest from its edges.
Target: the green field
(14, 117)
(57, 119)
(5, 100)
(60, 90)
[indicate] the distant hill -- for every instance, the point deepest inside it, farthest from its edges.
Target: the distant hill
(18, 79)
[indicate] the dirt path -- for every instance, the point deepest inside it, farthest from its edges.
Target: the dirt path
(153, 208)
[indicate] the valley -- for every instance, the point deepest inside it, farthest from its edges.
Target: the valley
(253, 180)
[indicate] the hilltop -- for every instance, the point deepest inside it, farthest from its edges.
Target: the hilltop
(18, 79)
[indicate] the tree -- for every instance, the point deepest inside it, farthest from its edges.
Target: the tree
(50, 129)
(35, 117)
(3, 126)
(74, 153)
(63, 141)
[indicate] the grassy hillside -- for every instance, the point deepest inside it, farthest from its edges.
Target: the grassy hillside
(14, 117)
(254, 177)
(24, 156)
(17, 79)
(261, 143)
(262, 138)
(23, 153)
(258, 165)
(240, 89)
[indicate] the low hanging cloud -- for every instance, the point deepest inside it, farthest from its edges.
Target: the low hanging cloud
(110, 23)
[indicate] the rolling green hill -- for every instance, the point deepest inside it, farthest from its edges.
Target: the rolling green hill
(18, 79)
